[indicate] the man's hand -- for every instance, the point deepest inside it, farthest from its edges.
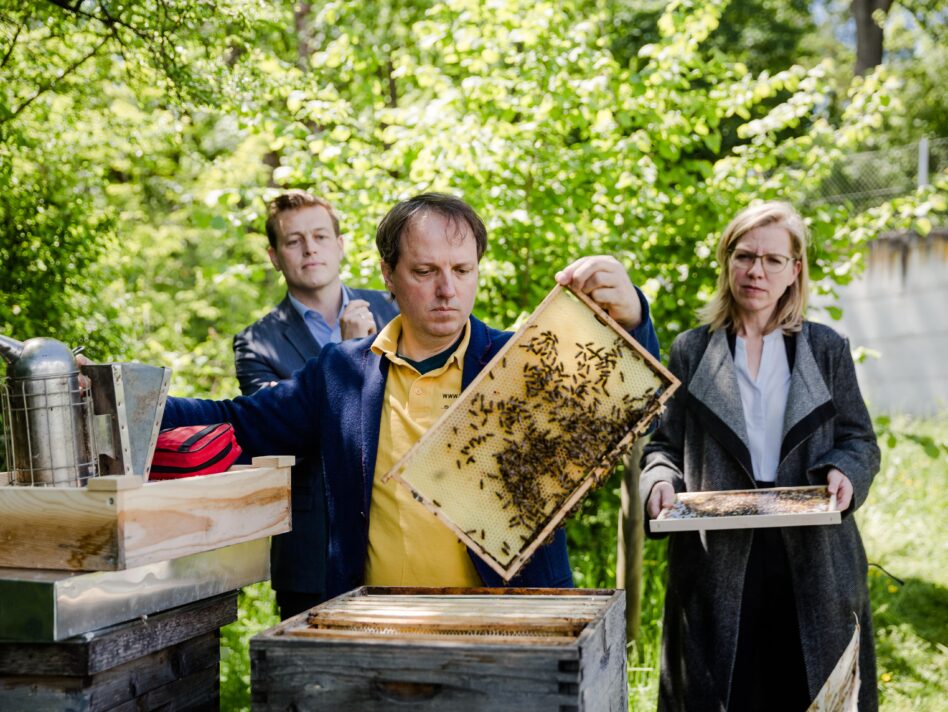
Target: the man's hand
(606, 282)
(356, 321)
(837, 483)
(661, 497)
(85, 383)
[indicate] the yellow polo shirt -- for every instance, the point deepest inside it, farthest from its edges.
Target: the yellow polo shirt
(408, 546)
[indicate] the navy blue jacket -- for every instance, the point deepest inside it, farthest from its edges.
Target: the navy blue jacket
(273, 349)
(331, 409)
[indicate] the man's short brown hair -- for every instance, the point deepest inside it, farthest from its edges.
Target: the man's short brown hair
(398, 221)
(294, 200)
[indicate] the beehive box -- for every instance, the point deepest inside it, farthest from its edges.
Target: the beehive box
(540, 426)
(119, 522)
(447, 649)
(749, 509)
(168, 661)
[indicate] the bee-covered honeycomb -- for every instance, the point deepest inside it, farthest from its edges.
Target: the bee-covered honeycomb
(542, 423)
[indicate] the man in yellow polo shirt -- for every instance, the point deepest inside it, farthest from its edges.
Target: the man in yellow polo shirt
(430, 264)
(408, 546)
(363, 403)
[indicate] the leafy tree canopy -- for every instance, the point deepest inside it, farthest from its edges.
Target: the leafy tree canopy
(137, 162)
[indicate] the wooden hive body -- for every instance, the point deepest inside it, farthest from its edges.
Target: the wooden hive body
(168, 661)
(447, 649)
(119, 522)
(539, 427)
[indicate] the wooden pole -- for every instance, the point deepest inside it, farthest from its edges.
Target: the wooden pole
(631, 539)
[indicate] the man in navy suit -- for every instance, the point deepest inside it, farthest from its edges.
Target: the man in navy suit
(363, 403)
(307, 248)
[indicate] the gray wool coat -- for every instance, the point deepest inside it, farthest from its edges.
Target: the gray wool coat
(702, 444)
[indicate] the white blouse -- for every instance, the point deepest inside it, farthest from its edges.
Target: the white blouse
(765, 402)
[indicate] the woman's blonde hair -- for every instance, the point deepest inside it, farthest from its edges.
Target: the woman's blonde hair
(722, 310)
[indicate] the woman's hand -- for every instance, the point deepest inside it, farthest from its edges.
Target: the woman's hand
(661, 497)
(837, 483)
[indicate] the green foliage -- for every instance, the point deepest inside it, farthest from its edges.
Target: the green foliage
(103, 140)
(766, 35)
(50, 252)
(592, 535)
(570, 155)
(891, 433)
(525, 109)
(256, 612)
(903, 527)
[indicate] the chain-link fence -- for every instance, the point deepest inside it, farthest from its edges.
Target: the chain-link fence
(869, 178)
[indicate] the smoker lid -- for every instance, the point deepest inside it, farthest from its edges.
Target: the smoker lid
(43, 357)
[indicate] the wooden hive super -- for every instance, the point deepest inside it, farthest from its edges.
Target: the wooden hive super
(447, 649)
(540, 426)
(120, 522)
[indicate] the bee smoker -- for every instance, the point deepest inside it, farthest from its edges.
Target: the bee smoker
(60, 429)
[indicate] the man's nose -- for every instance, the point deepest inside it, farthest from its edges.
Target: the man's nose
(309, 245)
(445, 286)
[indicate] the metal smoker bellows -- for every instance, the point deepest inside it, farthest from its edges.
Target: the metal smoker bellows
(59, 433)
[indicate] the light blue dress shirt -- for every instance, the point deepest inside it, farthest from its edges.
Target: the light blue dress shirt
(765, 402)
(321, 331)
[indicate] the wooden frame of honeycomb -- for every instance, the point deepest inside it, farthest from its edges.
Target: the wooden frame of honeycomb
(542, 424)
(749, 509)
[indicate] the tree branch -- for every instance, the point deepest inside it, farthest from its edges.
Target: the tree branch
(49, 85)
(107, 19)
(6, 57)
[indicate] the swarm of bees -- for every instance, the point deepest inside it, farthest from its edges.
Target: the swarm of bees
(783, 500)
(557, 421)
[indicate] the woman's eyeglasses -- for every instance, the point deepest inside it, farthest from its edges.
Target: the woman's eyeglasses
(772, 264)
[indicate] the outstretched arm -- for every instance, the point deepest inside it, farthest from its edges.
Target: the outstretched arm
(254, 370)
(279, 420)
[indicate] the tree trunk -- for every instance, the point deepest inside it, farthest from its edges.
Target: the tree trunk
(631, 539)
(300, 25)
(869, 37)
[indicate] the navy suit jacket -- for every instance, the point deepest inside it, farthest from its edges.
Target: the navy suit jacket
(273, 349)
(331, 410)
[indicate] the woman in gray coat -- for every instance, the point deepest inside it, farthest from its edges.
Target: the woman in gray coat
(756, 619)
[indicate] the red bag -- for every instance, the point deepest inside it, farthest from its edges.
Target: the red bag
(194, 450)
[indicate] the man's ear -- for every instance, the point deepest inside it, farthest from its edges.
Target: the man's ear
(273, 259)
(387, 276)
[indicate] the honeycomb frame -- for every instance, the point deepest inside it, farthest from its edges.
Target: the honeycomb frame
(545, 421)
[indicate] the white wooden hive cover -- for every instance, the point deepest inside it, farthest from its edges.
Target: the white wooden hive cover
(543, 423)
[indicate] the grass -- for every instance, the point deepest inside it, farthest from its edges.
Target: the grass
(256, 611)
(903, 524)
